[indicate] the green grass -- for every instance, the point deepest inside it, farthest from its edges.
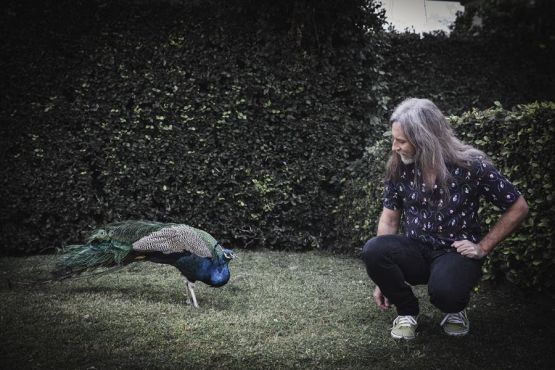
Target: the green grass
(280, 310)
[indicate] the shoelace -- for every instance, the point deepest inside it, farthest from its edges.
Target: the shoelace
(404, 321)
(454, 318)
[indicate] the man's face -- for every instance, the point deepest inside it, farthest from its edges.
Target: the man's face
(401, 145)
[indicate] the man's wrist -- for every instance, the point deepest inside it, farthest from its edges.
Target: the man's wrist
(483, 251)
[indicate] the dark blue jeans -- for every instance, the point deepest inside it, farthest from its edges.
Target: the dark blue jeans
(395, 261)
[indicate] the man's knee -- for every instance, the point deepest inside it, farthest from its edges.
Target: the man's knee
(372, 249)
(452, 281)
(377, 248)
(447, 299)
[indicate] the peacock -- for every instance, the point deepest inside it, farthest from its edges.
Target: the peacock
(195, 253)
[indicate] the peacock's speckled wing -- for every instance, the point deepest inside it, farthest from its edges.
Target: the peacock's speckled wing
(177, 239)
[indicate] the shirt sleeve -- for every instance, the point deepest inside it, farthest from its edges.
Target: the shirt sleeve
(391, 197)
(495, 188)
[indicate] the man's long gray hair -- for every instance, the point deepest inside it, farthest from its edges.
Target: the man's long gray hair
(427, 129)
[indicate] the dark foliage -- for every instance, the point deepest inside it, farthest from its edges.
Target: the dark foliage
(459, 73)
(520, 143)
(181, 113)
(514, 21)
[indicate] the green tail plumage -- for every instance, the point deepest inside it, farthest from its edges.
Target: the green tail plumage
(79, 258)
(107, 246)
(126, 231)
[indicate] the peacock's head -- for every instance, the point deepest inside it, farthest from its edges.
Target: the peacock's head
(228, 254)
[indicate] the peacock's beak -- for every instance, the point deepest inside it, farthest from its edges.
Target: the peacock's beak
(228, 253)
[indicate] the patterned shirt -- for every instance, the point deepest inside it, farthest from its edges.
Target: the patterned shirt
(431, 220)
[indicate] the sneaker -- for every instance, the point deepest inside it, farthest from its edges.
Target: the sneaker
(456, 324)
(404, 327)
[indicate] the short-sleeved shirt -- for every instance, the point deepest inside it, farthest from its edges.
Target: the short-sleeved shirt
(439, 223)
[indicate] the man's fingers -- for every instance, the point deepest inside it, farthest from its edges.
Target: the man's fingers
(377, 299)
(386, 302)
(381, 301)
(468, 249)
(459, 243)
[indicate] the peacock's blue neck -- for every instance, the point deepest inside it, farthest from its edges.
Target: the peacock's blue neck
(219, 275)
(214, 272)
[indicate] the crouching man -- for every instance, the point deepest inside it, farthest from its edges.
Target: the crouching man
(433, 183)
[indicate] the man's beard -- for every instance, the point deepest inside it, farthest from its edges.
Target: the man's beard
(406, 160)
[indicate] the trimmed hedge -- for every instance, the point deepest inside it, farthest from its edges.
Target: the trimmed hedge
(520, 142)
(158, 114)
(459, 73)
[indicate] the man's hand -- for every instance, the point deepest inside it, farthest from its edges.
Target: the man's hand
(469, 249)
(380, 299)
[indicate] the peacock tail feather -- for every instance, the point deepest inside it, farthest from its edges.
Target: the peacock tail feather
(79, 258)
(126, 231)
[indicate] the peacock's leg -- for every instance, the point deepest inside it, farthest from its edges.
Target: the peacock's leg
(191, 289)
(191, 298)
(187, 290)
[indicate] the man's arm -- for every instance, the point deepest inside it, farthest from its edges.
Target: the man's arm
(389, 222)
(506, 224)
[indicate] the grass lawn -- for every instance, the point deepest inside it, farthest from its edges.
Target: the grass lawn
(280, 310)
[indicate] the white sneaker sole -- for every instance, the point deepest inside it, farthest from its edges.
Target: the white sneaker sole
(461, 334)
(396, 336)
